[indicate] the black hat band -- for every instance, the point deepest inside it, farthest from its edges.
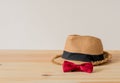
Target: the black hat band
(82, 57)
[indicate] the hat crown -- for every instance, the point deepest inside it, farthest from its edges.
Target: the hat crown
(84, 44)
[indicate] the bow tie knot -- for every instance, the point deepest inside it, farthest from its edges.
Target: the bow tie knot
(70, 67)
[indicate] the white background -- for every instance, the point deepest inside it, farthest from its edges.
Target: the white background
(45, 24)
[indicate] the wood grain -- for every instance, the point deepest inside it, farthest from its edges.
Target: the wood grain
(34, 66)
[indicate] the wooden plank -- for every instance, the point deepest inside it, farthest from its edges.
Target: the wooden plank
(34, 66)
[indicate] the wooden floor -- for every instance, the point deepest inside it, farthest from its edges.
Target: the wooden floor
(34, 66)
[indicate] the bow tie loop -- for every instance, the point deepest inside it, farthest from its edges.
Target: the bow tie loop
(70, 67)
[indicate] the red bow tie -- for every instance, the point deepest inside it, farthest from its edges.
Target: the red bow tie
(70, 67)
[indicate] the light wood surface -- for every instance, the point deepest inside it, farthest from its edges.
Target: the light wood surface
(34, 66)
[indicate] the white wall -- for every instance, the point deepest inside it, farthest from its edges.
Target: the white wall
(45, 24)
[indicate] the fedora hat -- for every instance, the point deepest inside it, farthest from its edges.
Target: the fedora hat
(80, 49)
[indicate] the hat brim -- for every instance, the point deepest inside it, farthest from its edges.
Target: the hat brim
(59, 60)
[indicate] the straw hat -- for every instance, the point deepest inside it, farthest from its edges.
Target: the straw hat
(80, 49)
